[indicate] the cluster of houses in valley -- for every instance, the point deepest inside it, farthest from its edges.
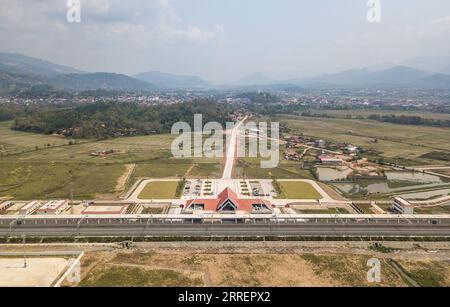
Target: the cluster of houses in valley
(332, 153)
(343, 156)
(240, 114)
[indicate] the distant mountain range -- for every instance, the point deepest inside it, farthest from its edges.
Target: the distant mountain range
(99, 80)
(433, 64)
(22, 65)
(434, 81)
(398, 76)
(19, 72)
(171, 81)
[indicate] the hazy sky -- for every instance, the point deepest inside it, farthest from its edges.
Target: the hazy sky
(223, 40)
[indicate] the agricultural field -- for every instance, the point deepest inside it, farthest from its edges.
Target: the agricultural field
(126, 150)
(159, 190)
(367, 112)
(34, 166)
(162, 168)
(228, 267)
(405, 144)
(12, 142)
(298, 190)
(44, 180)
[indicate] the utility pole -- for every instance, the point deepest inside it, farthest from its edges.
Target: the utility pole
(71, 192)
(25, 265)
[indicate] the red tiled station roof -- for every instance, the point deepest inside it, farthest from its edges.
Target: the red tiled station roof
(225, 198)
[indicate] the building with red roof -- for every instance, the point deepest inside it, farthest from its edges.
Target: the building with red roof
(228, 202)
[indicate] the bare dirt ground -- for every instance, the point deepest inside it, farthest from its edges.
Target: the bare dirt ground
(120, 185)
(122, 180)
(188, 172)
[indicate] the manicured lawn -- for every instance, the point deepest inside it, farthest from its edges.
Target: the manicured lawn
(159, 190)
(298, 190)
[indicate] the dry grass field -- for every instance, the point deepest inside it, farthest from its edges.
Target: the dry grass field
(186, 267)
(44, 166)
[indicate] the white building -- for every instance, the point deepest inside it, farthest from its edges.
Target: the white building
(30, 208)
(330, 160)
(5, 206)
(351, 149)
(402, 206)
(53, 207)
(320, 143)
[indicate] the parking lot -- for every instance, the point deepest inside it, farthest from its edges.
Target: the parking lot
(211, 188)
(193, 188)
(256, 188)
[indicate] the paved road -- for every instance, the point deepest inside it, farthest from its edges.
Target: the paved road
(231, 152)
(231, 230)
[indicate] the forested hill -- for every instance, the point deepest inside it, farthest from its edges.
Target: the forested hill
(111, 119)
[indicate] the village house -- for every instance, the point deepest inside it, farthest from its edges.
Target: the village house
(292, 155)
(330, 160)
